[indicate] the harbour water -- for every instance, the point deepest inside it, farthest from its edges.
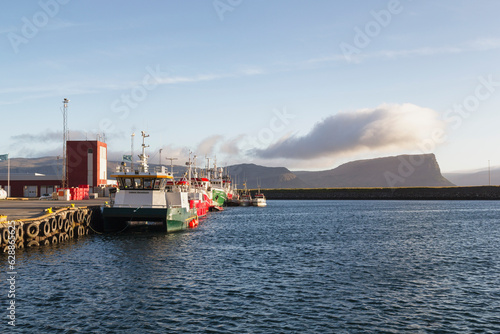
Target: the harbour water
(293, 267)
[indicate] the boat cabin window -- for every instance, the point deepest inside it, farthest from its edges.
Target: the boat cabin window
(160, 183)
(148, 183)
(138, 182)
(128, 183)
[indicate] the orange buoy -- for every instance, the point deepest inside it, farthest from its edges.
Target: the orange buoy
(191, 224)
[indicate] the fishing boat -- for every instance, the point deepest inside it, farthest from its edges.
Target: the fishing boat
(199, 197)
(198, 189)
(259, 199)
(219, 187)
(245, 197)
(144, 200)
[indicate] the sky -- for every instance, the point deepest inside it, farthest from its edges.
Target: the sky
(300, 84)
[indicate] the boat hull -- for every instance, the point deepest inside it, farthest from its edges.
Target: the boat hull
(245, 203)
(166, 219)
(219, 197)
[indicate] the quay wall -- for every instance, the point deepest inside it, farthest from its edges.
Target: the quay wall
(410, 193)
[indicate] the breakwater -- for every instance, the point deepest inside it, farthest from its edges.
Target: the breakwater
(409, 193)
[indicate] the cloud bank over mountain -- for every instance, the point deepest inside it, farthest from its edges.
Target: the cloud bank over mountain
(388, 127)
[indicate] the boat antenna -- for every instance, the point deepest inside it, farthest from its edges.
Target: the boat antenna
(208, 168)
(189, 171)
(171, 165)
(143, 156)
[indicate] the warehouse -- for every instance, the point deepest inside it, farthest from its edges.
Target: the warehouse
(86, 165)
(30, 185)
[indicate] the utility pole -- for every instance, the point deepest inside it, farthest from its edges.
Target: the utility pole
(489, 173)
(65, 139)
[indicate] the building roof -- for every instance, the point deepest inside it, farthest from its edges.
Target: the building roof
(30, 177)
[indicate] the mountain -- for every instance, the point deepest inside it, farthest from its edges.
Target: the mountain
(396, 171)
(266, 177)
(44, 165)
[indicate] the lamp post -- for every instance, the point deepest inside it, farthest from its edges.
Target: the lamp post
(65, 139)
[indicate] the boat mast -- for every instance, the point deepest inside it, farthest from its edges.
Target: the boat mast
(208, 169)
(171, 165)
(189, 171)
(216, 174)
(144, 158)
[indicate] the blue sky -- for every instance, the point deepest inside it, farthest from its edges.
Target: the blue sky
(300, 84)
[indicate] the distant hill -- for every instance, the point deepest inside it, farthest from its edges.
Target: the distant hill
(266, 177)
(475, 178)
(399, 171)
(44, 165)
(253, 175)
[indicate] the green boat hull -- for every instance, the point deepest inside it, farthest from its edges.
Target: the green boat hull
(219, 197)
(166, 219)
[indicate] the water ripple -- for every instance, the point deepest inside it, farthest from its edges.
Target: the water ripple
(293, 267)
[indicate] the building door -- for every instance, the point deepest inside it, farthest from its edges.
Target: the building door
(46, 190)
(30, 191)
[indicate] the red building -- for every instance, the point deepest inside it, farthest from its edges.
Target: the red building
(86, 163)
(30, 185)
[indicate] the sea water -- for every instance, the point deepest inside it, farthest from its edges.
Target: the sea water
(292, 267)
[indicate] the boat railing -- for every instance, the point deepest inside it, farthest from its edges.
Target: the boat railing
(149, 206)
(123, 169)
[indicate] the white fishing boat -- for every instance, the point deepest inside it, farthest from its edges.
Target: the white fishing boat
(143, 199)
(259, 199)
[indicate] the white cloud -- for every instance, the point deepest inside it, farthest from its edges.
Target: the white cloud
(207, 146)
(389, 127)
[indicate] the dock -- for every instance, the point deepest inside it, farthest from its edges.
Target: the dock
(32, 223)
